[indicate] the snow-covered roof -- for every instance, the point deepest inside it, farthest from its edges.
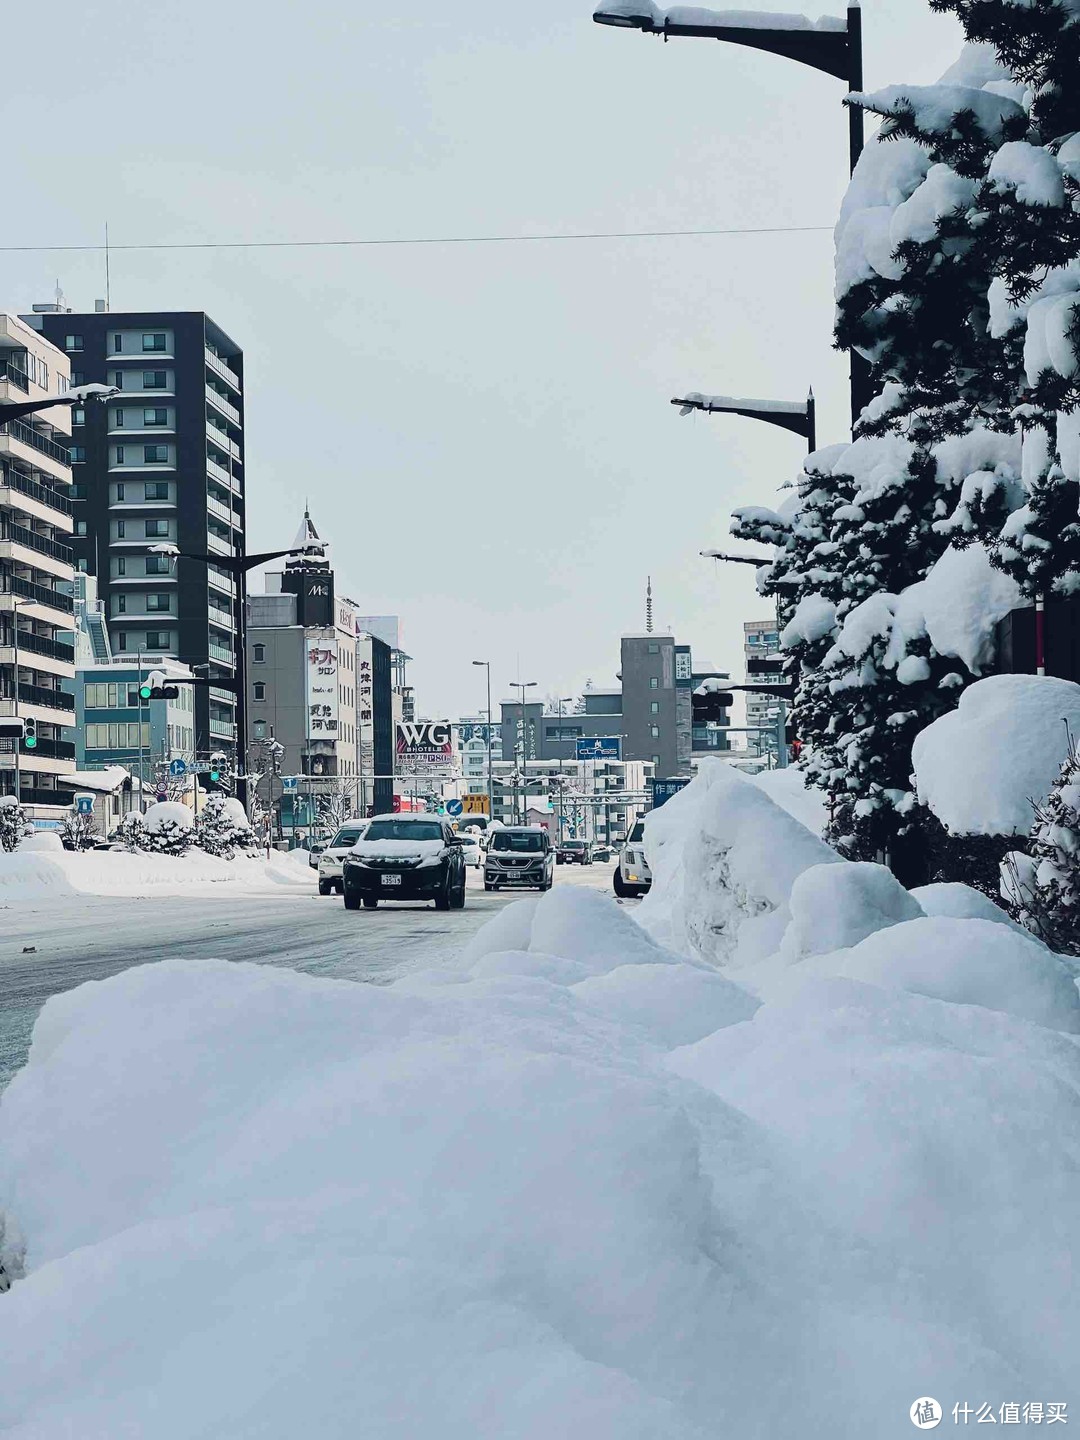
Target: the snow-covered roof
(105, 781)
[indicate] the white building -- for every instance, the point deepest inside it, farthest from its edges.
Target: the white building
(583, 799)
(471, 735)
(36, 570)
(761, 651)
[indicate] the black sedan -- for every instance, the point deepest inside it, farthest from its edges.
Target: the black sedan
(573, 852)
(405, 857)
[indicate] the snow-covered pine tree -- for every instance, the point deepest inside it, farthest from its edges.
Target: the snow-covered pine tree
(167, 829)
(131, 832)
(13, 823)
(214, 830)
(1045, 897)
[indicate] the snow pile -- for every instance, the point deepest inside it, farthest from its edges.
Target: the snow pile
(788, 788)
(724, 857)
(167, 812)
(577, 1185)
(981, 767)
(35, 876)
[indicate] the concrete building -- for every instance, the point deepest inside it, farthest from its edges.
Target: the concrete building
(374, 724)
(585, 799)
(36, 570)
(115, 727)
(161, 462)
(761, 653)
(302, 669)
(472, 734)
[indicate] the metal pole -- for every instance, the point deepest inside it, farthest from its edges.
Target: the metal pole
(860, 367)
(18, 738)
(490, 746)
(781, 737)
(241, 685)
(142, 770)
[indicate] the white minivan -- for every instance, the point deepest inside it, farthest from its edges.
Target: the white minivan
(331, 858)
(632, 874)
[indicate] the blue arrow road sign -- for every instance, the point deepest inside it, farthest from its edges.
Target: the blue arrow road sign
(177, 768)
(599, 747)
(289, 783)
(454, 807)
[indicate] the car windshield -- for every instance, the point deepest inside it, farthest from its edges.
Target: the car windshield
(573, 844)
(638, 831)
(517, 840)
(404, 830)
(348, 836)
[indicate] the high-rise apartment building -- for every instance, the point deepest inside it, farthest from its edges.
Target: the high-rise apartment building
(161, 463)
(761, 648)
(36, 607)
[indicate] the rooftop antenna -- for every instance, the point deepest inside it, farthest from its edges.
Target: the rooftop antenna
(648, 606)
(108, 295)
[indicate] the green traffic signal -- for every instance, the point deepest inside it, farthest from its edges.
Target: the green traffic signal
(144, 692)
(30, 732)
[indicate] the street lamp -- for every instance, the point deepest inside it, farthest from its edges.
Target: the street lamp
(832, 44)
(77, 395)
(15, 603)
(797, 416)
(522, 685)
(490, 724)
(238, 566)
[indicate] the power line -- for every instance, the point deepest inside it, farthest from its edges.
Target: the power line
(416, 240)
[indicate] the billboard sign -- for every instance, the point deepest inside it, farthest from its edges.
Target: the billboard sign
(474, 804)
(663, 790)
(322, 684)
(424, 745)
(599, 747)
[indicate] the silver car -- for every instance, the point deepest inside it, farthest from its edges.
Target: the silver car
(331, 858)
(632, 873)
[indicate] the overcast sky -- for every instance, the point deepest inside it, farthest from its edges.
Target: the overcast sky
(482, 430)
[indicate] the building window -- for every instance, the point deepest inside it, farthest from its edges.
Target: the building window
(656, 759)
(654, 648)
(654, 731)
(77, 453)
(157, 564)
(80, 527)
(119, 454)
(118, 419)
(119, 490)
(258, 690)
(120, 604)
(78, 415)
(158, 602)
(155, 417)
(258, 654)
(78, 378)
(156, 529)
(117, 344)
(120, 528)
(154, 342)
(72, 342)
(153, 379)
(654, 707)
(259, 728)
(121, 640)
(158, 640)
(121, 565)
(155, 454)
(82, 564)
(78, 491)
(156, 490)
(654, 683)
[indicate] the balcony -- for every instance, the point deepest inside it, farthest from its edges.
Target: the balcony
(222, 512)
(222, 655)
(223, 697)
(224, 406)
(41, 493)
(12, 585)
(31, 540)
(225, 728)
(32, 795)
(51, 750)
(27, 435)
(217, 545)
(16, 377)
(220, 582)
(220, 474)
(221, 439)
(37, 695)
(218, 366)
(31, 644)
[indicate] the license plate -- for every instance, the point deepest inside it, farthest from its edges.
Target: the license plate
(391, 879)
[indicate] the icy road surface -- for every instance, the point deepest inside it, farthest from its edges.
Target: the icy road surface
(80, 938)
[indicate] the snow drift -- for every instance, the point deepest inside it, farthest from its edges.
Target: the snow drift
(32, 875)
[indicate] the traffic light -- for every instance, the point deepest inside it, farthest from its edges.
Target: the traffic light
(710, 707)
(154, 687)
(217, 768)
(30, 733)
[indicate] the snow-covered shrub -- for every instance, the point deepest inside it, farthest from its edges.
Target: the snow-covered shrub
(221, 828)
(78, 832)
(1043, 886)
(131, 832)
(167, 828)
(13, 823)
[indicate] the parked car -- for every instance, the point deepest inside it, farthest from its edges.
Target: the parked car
(519, 856)
(632, 873)
(601, 852)
(314, 851)
(471, 849)
(573, 852)
(405, 857)
(329, 862)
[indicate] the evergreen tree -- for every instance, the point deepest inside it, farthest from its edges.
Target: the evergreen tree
(221, 828)
(13, 823)
(1043, 886)
(131, 832)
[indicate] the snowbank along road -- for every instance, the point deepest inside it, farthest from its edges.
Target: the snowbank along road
(51, 945)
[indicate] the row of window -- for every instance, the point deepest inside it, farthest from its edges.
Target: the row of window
(153, 529)
(153, 641)
(154, 564)
(154, 341)
(122, 736)
(116, 695)
(151, 455)
(151, 490)
(140, 603)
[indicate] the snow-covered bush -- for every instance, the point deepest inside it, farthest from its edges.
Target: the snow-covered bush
(13, 823)
(131, 832)
(1043, 885)
(78, 832)
(167, 828)
(221, 828)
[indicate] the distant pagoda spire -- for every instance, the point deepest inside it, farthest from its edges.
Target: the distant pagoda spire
(648, 606)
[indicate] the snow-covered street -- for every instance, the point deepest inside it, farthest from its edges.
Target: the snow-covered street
(95, 936)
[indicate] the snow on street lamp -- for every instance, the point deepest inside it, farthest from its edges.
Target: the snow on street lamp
(832, 44)
(238, 566)
(798, 416)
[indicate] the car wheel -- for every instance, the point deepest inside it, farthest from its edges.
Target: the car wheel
(370, 903)
(459, 895)
(442, 902)
(339, 886)
(325, 887)
(619, 883)
(352, 902)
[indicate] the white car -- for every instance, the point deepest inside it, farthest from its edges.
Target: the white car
(470, 848)
(331, 858)
(632, 874)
